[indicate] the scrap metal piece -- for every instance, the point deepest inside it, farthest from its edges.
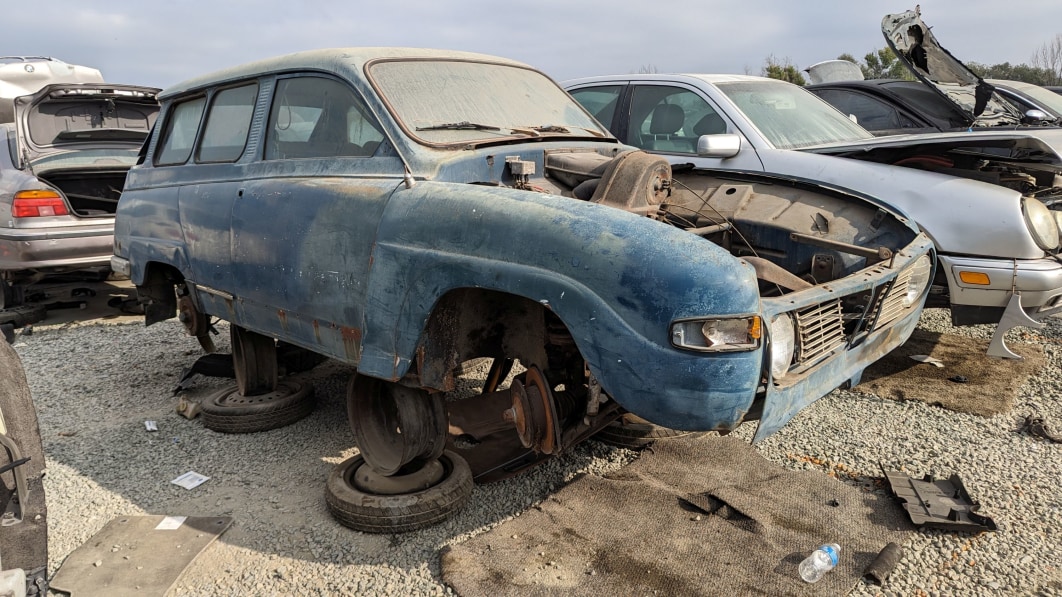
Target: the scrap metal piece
(880, 569)
(938, 504)
(1013, 316)
(1037, 427)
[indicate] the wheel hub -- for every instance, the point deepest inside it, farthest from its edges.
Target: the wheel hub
(365, 479)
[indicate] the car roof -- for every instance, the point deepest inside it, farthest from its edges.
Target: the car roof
(345, 62)
(864, 83)
(709, 78)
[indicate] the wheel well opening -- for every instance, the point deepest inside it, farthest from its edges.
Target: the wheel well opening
(472, 323)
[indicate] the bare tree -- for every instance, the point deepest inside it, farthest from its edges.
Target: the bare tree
(1049, 57)
(648, 69)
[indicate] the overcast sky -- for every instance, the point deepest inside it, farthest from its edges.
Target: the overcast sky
(159, 44)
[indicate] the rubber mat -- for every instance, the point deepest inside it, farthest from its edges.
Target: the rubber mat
(138, 556)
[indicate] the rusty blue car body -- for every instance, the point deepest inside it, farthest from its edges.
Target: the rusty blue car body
(522, 231)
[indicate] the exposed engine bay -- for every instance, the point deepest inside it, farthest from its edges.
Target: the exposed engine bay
(794, 234)
(1028, 165)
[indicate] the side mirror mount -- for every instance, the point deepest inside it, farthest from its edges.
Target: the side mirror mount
(1035, 116)
(718, 146)
(853, 118)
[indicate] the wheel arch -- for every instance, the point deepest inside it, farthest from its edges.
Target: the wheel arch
(470, 320)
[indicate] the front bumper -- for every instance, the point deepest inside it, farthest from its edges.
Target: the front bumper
(717, 391)
(56, 249)
(1039, 281)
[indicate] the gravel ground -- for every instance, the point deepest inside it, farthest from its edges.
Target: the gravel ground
(95, 385)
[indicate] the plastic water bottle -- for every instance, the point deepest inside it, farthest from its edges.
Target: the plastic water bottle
(819, 562)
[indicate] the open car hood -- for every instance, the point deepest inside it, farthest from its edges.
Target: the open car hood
(1035, 149)
(64, 117)
(936, 67)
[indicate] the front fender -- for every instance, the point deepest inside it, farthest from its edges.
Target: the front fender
(615, 279)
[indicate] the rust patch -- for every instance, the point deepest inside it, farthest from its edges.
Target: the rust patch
(317, 331)
(351, 341)
(283, 317)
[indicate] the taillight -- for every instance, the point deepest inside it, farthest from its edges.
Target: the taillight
(35, 204)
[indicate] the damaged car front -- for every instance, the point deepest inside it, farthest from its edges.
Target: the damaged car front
(63, 162)
(997, 238)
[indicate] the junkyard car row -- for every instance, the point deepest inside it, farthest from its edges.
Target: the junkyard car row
(694, 250)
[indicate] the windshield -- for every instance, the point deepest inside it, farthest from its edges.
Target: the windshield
(441, 102)
(791, 117)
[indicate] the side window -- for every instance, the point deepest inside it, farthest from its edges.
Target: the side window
(314, 117)
(671, 119)
(600, 102)
(227, 124)
(871, 113)
(179, 133)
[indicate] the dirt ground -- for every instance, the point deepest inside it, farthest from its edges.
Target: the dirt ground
(970, 381)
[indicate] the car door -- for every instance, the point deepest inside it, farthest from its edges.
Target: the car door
(665, 118)
(203, 138)
(304, 220)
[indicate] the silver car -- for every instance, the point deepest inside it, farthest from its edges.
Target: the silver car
(63, 162)
(981, 197)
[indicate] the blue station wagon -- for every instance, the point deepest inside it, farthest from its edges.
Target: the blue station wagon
(407, 211)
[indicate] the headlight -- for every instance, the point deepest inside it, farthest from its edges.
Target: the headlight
(921, 275)
(1042, 223)
(718, 335)
(783, 344)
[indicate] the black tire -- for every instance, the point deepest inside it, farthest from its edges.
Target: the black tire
(254, 358)
(228, 411)
(631, 431)
(371, 513)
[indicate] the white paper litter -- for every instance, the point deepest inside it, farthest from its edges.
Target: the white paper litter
(190, 480)
(151, 425)
(170, 523)
(924, 358)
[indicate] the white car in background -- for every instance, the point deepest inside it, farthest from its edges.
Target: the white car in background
(981, 196)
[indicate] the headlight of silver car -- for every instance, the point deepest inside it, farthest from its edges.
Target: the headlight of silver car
(783, 344)
(1042, 223)
(718, 335)
(921, 275)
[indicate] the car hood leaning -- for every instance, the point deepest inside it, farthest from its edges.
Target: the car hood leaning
(941, 71)
(84, 116)
(1040, 148)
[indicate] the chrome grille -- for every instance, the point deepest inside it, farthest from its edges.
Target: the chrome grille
(890, 304)
(820, 331)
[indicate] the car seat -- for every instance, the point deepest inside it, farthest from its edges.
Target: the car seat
(666, 121)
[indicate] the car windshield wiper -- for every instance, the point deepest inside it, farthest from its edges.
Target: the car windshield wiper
(464, 125)
(552, 128)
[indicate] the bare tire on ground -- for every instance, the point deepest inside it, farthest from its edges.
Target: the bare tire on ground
(358, 508)
(228, 411)
(254, 358)
(632, 431)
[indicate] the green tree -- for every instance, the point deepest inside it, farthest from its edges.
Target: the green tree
(783, 70)
(1017, 72)
(881, 64)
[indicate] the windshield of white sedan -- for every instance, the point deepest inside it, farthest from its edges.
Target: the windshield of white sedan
(454, 102)
(791, 117)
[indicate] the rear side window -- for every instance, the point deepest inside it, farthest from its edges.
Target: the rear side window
(314, 117)
(600, 101)
(227, 124)
(178, 137)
